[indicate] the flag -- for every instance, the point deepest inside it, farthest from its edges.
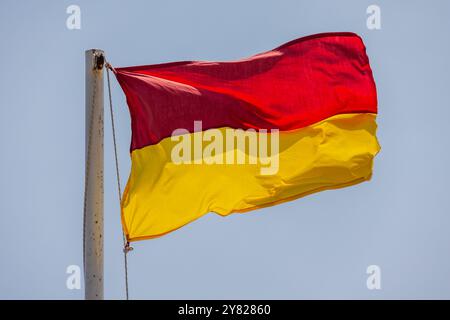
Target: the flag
(235, 136)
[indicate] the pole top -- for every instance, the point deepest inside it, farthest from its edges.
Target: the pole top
(98, 58)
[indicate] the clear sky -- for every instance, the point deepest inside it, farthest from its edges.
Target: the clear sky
(316, 247)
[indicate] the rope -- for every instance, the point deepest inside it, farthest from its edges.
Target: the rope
(126, 244)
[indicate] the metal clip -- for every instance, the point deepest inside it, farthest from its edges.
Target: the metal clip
(127, 248)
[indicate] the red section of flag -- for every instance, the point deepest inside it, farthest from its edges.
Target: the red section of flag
(302, 82)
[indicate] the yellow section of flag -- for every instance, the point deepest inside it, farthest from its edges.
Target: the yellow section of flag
(162, 196)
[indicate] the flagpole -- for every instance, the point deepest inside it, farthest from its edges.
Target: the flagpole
(93, 197)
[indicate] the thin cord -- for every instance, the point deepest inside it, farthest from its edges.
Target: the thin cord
(126, 244)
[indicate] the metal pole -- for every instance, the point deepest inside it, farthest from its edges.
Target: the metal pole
(93, 206)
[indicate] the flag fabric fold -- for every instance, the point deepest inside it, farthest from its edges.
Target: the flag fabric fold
(234, 136)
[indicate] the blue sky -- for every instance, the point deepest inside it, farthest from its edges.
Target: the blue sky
(315, 247)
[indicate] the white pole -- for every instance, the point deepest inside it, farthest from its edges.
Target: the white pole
(93, 208)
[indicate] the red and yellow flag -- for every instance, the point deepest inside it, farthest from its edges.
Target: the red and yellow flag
(235, 136)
